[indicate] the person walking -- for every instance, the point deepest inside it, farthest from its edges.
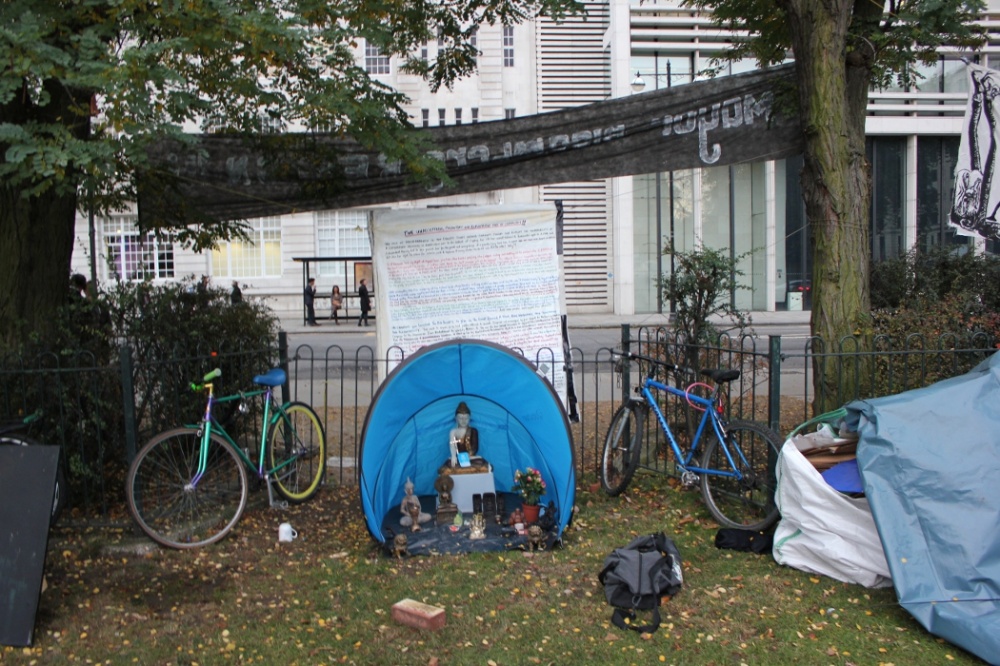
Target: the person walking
(336, 302)
(366, 302)
(309, 295)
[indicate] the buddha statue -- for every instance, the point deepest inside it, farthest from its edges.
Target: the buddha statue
(464, 438)
(413, 515)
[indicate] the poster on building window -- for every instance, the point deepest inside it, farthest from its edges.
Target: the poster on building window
(486, 273)
(977, 182)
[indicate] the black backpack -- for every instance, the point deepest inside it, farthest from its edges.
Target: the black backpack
(637, 576)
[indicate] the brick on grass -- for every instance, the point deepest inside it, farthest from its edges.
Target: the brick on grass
(418, 615)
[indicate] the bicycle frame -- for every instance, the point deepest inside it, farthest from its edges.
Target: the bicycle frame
(209, 425)
(710, 415)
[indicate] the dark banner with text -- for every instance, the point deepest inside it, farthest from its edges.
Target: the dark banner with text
(722, 121)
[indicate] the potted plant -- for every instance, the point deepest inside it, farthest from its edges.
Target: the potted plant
(530, 486)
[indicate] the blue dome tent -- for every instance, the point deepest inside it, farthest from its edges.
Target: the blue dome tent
(520, 419)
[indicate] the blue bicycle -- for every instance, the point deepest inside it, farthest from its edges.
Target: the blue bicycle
(735, 467)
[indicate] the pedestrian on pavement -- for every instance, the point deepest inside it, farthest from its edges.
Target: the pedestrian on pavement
(366, 302)
(336, 302)
(309, 295)
(236, 295)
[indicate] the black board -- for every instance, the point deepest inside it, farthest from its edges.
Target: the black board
(27, 486)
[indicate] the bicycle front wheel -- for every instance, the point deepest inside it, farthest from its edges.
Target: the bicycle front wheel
(298, 452)
(620, 456)
(170, 505)
(747, 502)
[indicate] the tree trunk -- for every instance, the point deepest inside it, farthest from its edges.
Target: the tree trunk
(36, 243)
(37, 232)
(836, 184)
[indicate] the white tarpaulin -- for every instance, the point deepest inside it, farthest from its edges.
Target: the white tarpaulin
(485, 273)
(822, 530)
(977, 191)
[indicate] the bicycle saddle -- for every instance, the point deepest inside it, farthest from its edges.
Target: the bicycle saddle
(720, 376)
(272, 378)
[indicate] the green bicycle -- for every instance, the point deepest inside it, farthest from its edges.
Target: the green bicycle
(187, 487)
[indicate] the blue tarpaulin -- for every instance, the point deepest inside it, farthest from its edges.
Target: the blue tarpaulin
(930, 462)
(520, 419)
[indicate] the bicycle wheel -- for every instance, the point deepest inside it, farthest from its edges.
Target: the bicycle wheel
(60, 492)
(620, 456)
(163, 501)
(746, 503)
(298, 447)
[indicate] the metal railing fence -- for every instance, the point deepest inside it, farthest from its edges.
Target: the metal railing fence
(101, 413)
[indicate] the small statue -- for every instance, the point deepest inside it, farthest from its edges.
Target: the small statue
(478, 528)
(446, 509)
(399, 546)
(516, 516)
(410, 508)
(550, 518)
(536, 538)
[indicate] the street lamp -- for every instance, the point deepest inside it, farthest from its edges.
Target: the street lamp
(637, 83)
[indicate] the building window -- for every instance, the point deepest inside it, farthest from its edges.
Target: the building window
(508, 46)
(474, 38)
(508, 114)
(887, 156)
(133, 255)
(269, 125)
(936, 157)
(458, 116)
(423, 51)
(375, 62)
(259, 256)
(341, 233)
(475, 115)
(425, 117)
(441, 115)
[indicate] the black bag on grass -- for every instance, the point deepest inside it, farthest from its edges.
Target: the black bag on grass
(637, 576)
(746, 540)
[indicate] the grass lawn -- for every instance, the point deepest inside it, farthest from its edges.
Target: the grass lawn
(326, 597)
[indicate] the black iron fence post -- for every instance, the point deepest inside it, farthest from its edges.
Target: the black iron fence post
(283, 364)
(774, 384)
(128, 402)
(626, 378)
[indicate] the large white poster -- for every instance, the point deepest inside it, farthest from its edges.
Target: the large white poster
(487, 273)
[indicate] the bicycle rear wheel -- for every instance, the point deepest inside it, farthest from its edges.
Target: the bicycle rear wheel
(620, 456)
(298, 447)
(746, 503)
(164, 503)
(60, 491)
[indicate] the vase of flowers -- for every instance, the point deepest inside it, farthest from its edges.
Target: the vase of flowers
(530, 486)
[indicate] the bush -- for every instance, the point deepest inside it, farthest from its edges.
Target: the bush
(925, 306)
(920, 278)
(169, 335)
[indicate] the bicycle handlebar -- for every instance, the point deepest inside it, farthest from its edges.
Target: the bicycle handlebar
(655, 361)
(214, 374)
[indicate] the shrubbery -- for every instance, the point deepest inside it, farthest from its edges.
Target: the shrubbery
(150, 340)
(927, 308)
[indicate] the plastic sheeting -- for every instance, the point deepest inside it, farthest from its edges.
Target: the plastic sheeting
(930, 461)
(822, 530)
(520, 419)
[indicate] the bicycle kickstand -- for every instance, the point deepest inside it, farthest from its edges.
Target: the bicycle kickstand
(274, 503)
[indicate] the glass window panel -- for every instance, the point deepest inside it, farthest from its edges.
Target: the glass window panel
(936, 157)
(888, 158)
(132, 255)
(260, 256)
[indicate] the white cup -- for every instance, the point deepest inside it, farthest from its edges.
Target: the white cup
(286, 532)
